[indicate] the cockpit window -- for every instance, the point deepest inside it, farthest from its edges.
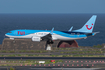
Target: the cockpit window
(9, 32)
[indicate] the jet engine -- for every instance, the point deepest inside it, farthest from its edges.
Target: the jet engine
(38, 39)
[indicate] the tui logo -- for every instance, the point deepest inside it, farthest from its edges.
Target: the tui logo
(21, 33)
(88, 27)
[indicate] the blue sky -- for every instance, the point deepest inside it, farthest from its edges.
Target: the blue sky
(52, 6)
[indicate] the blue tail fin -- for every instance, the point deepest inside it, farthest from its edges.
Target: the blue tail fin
(88, 27)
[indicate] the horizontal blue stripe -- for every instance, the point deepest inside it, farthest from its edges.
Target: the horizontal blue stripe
(62, 33)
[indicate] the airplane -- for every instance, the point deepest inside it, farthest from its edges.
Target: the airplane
(51, 35)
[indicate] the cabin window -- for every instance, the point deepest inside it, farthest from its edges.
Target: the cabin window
(78, 33)
(44, 33)
(38, 33)
(72, 33)
(41, 33)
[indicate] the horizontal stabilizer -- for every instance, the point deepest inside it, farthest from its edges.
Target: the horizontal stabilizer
(93, 33)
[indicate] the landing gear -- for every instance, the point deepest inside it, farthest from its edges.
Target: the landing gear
(49, 44)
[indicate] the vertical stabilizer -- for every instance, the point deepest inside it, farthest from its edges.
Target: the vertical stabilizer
(88, 27)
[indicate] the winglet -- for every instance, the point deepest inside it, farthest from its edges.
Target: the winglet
(52, 31)
(70, 29)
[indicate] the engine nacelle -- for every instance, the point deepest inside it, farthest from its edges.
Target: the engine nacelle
(36, 39)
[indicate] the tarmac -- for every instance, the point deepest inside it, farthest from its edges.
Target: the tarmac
(34, 68)
(93, 58)
(69, 63)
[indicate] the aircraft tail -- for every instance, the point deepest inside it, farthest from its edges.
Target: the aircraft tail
(88, 27)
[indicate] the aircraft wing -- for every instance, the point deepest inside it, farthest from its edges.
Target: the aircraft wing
(48, 36)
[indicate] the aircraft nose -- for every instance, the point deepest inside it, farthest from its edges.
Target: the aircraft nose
(5, 34)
